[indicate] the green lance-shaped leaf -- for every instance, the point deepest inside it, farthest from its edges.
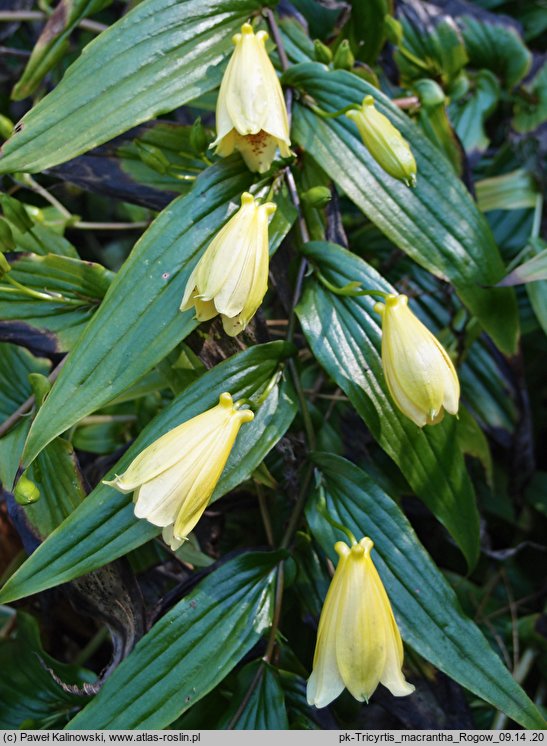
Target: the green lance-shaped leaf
(264, 709)
(139, 321)
(66, 293)
(159, 56)
(15, 366)
(53, 42)
(495, 45)
(104, 527)
(29, 695)
(436, 223)
(345, 336)
(190, 650)
(426, 608)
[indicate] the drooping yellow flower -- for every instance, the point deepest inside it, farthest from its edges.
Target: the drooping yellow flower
(384, 142)
(358, 641)
(420, 376)
(231, 278)
(174, 477)
(251, 114)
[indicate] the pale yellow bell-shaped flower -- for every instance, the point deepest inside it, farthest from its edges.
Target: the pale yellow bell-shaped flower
(174, 477)
(384, 142)
(251, 113)
(231, 278)
(358, 642)
(420, 376)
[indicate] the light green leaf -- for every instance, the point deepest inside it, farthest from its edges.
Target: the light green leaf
(104, 527)
(427, 611)
(139, 321)
(531, 102)
(189, 650)
(432, 44)
(513, 191)
(76, 289)
(436, 223)
(52, 43)
(159, 56)
(469, 113)
(345, 337)
(57, 475)
(532, 270)
(264, 708)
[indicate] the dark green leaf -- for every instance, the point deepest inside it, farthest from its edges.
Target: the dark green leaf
(344, 334)
(436, 223)
(139, 319)
(104, 527)
(52, 325)
(495, 46)
(15, 366)
(190, 650)
(366, 28)
(160, 55)
(428, 614)
(264, 709)
(28, 693)
(116, 169)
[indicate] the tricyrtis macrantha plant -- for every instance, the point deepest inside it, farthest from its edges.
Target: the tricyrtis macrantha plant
(251, 116)
(231, 278)
(173, 479)
(358, 642)
(420, 376)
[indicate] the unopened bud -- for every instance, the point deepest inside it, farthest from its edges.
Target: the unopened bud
(4, 265)
(317, 196)
(7, 242)
(430, 93)
(152, 156)
(15, 213)
(41, 386)
(384, 142)
(26, 492)
(6, 127)
(343, 57)
(199, 142)
(394, 30)
(322, 52)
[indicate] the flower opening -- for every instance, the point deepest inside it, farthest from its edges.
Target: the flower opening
(251, 115)
(231, 278)
(358, 642)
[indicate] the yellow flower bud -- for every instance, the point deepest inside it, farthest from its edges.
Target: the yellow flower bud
(251, 114)
(231, 278)
(358, 642)
(173, 479)
(420, 376)
(384, 142)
